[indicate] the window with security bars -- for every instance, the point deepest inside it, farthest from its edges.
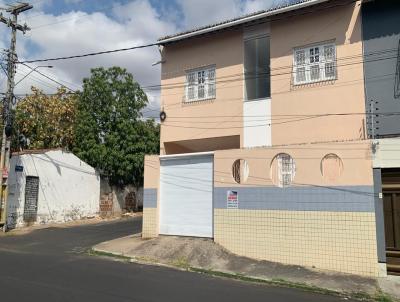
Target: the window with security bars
(200, 84)
(314, 64)
(31, 198)
(397, 80)
(286, 170)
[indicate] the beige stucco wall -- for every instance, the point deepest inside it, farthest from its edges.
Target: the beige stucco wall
(338, 240)
(151, 172)
(342, 25)
(334, 239)
(356, 157)
(151, 183)
(225, 49)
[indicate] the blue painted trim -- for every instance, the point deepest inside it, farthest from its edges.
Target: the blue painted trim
(333, 199)
(149, 198)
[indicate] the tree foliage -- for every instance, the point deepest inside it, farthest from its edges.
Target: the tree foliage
(110, 133)
(46, 121)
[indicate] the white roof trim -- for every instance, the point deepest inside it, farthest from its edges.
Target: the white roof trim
(243, 20)
(172, 156)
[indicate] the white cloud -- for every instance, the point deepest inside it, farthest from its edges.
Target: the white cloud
(79, 32)
(199, 13)
(257, 5)
(134, 23)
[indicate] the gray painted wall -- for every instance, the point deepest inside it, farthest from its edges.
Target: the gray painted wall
(150, 198)
(379, 217)
(381, 35)
(335, 199)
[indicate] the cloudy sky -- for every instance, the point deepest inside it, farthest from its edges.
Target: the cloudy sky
(68, 27)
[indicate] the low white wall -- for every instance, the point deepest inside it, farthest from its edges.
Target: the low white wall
(69, 189)
(387, 153)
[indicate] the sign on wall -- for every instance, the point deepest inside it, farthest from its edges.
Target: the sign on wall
(232, 201)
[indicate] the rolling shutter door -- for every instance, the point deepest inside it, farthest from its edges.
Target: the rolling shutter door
(186, 196)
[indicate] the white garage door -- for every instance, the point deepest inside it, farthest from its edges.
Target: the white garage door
(186, 206)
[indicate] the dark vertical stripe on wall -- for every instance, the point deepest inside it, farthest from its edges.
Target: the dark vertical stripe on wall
(380, 223)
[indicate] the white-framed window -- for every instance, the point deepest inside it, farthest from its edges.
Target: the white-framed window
(314, 63)
(200, 84)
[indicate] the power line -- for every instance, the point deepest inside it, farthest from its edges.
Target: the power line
(239, 77)
(47, 77)
(90, 54)
(154, 44)
(344, 83)
(344, 58)
(148, 45)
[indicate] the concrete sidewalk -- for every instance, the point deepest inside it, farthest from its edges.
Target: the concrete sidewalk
(207, 256)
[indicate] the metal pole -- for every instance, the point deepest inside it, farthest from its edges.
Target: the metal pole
(7, 107)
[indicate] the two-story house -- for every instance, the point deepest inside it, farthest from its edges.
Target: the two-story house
(264, 139)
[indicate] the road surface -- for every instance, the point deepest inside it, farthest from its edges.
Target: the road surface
(52, 265)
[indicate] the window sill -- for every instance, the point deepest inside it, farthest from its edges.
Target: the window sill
(314, 82)
(198, 100)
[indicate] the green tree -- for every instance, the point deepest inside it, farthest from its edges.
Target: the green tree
(111, 134)
(47, 121)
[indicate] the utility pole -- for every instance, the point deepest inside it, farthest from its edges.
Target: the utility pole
(8, 102)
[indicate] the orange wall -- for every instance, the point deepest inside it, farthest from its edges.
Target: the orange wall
(355, 156)
(345, 95)
(225, 49)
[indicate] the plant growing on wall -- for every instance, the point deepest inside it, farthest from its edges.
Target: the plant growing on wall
(45, 121)
(110, 132)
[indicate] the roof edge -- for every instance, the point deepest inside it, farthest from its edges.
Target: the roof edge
(38, 151)
(238, 21)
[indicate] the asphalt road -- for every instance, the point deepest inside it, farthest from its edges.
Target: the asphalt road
(51, 265)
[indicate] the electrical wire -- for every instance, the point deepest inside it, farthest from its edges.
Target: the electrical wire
(89, 54)
(275, 18)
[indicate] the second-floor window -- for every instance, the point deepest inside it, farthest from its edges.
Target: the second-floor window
(200, 84)
(257, 68)
(314, 64)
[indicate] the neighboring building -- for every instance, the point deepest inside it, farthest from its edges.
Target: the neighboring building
(264, 145)
(381, 39)
(50, 186)
(118, 200)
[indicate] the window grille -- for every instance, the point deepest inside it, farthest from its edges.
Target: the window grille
(314, 64)
(200, 84)
(286, 170)
(240, 171)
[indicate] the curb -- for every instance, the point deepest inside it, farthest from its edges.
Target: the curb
(359, 296)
